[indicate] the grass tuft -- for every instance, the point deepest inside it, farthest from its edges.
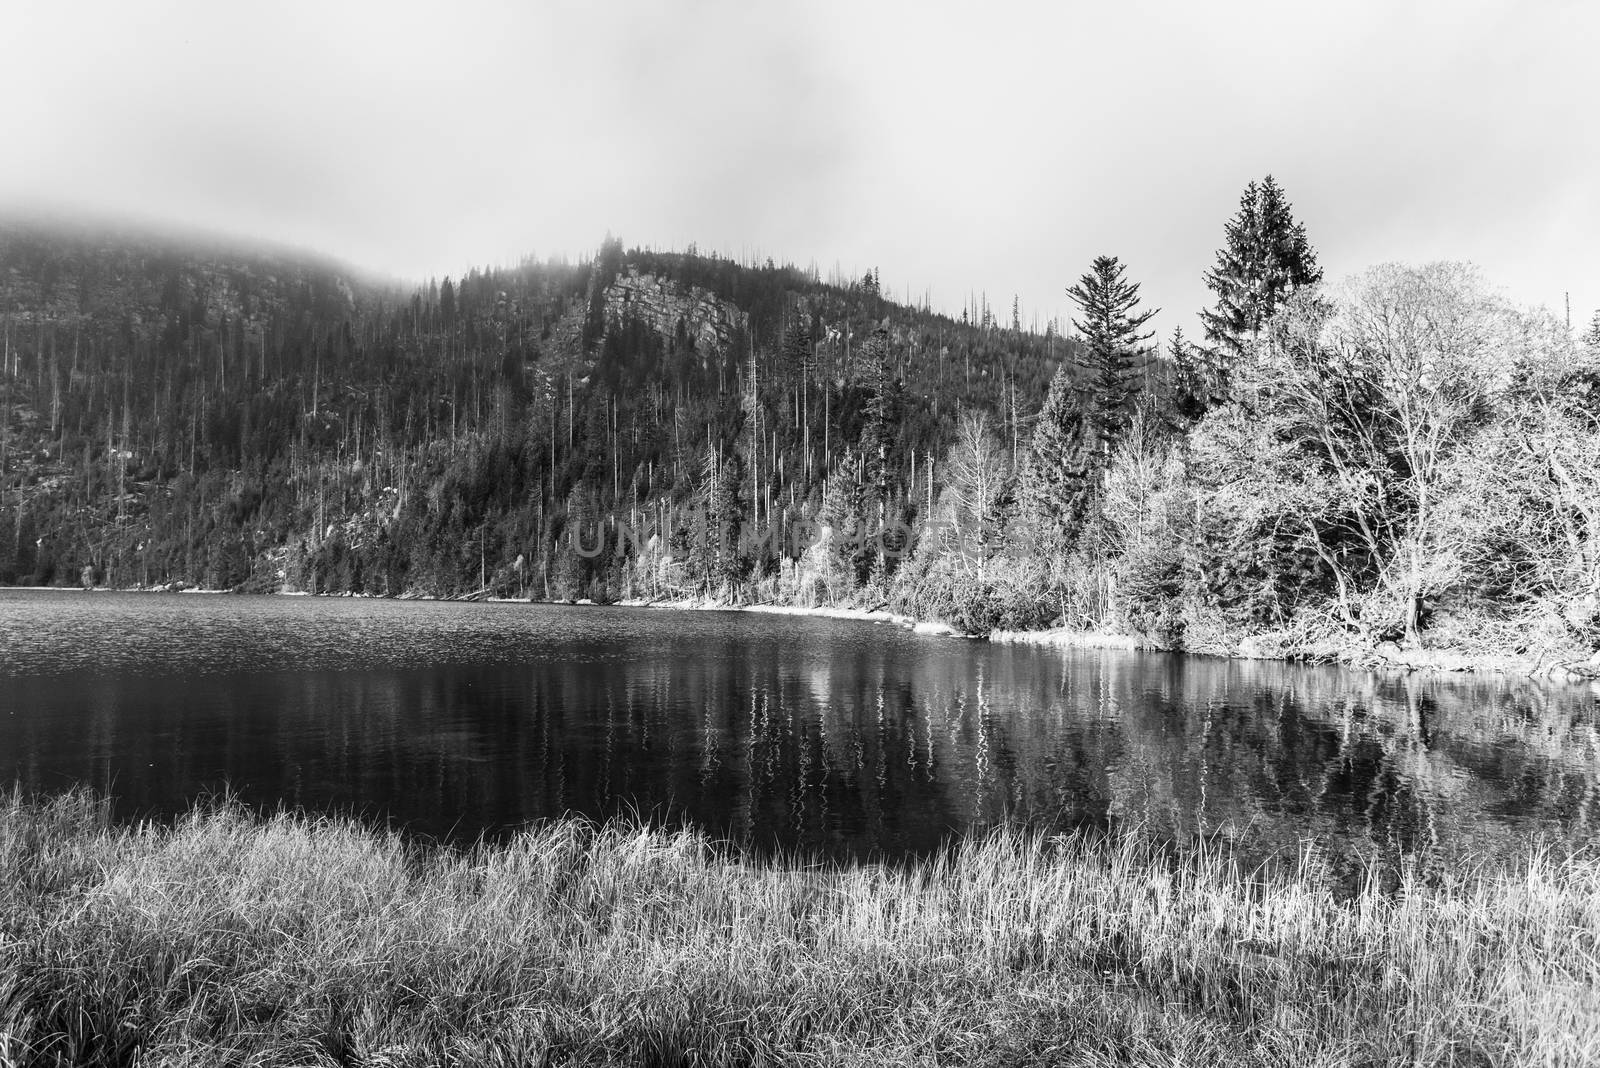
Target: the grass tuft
(230, 938)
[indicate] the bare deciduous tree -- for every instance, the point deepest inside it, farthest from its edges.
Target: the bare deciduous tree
(979, 471)
(1383, 382)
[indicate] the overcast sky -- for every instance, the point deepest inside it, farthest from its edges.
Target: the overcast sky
(989, 147)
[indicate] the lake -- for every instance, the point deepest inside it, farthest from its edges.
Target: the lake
(834, 738)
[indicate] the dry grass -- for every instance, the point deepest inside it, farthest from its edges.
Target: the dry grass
(232, 939)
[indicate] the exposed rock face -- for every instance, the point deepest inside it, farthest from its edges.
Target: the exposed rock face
(708, 321)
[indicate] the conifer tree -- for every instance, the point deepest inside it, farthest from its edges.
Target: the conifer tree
(713, 537)
(882, 413)
(1194, 378)
(1058, 475)
(1266, 259)
(799, 355)
(1113, 353)
(447, 303)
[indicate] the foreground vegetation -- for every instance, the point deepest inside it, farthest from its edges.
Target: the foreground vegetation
(231, 938)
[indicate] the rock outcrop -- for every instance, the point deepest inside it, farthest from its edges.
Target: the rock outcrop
(709, 322)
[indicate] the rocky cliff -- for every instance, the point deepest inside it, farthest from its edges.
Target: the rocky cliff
(708, 321)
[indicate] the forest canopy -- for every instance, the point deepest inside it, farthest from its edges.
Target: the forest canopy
(1398, 456)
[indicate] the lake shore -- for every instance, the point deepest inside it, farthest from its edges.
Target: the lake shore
(862, 615)
(1387, 656)
(232, 937)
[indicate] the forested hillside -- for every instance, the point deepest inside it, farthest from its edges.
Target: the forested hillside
(1400, 457)
(226, 419)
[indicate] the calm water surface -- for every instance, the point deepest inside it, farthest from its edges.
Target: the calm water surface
(846, 739)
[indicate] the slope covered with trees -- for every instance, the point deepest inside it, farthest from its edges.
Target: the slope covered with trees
(248, 420)
(1404, 457)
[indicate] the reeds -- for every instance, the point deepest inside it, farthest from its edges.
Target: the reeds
(232, 938)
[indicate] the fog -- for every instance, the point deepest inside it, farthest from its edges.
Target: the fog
(957, 150)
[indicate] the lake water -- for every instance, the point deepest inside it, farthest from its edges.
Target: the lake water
(836, 738)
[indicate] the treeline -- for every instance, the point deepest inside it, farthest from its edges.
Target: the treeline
(255, 422)
(1403, 456)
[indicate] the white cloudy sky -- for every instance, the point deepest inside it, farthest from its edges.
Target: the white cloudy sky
(994, 147)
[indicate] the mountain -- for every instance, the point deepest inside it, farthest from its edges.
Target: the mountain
(199, 413)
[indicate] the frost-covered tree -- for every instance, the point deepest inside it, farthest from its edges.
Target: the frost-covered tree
(1059, 472)
(1194, 375)
(1265, 260)
(1384, 386)
(979, 477)
(1113, 353)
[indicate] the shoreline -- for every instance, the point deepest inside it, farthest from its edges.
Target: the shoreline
(861, 615)
(1387, 656)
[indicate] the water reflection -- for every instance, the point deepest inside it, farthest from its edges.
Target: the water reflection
(836, 738)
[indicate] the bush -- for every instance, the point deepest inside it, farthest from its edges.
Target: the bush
(1007, 595)
(1149, 592)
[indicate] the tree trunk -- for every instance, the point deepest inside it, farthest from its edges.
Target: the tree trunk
(1413, 620)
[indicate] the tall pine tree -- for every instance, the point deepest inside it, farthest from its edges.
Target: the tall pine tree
(1267, 257)
(798, 356)
(1112, 357)
(882, 414)
(1058, 476)
(1193, 373)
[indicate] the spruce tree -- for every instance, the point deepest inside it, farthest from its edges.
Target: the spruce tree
(711, 540)
(1058, 475)
(447, 303)
(1113, 352)
(1194, 379)
(1266, 259)
(881, 415)
(798, 354)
